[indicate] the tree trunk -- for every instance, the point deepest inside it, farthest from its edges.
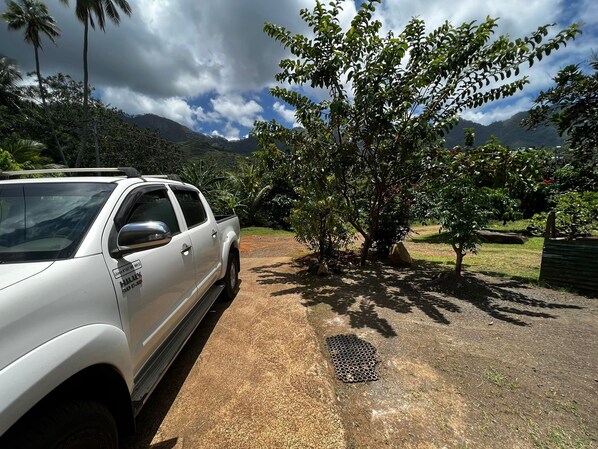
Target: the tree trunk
(97, 144)
(85, 68)
(459, 252)
(85, 95)
(42, 96)
(365, 249)
(39, 76)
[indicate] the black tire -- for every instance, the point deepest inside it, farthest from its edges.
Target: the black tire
(231, 278)
(69, 425)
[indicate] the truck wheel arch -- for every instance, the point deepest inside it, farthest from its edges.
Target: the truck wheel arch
(230, 248)
(99, 383)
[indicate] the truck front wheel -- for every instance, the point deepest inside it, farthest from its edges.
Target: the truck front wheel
(69, 425)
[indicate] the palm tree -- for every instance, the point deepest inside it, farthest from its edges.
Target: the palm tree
(90, 12)
(25, 151)
(9, 76)
(33, 16)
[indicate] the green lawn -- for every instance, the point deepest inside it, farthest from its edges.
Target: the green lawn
(519, 225)
(257, 230)
(520, 262)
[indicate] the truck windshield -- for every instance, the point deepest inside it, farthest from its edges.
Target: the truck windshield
(40, 222)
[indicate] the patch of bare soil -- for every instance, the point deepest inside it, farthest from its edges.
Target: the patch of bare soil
(252, 376)
(464, 363)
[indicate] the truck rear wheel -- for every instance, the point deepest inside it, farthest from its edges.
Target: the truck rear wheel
(69, 425)
(231, 278)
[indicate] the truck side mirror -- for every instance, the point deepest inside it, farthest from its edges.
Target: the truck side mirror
(134, 237)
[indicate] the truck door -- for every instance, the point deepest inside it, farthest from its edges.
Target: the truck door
(156, 286)
(203, 232)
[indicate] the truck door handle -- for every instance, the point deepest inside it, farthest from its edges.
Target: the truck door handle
(214, 234)
(186, 248)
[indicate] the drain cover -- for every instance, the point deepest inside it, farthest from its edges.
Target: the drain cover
(354, 359)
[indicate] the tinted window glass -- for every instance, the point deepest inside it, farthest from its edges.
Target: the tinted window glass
(154, 206)
(192, 207)
(47, 221)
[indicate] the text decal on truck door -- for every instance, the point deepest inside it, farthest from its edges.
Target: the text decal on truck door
(131, 282)
(126, 269)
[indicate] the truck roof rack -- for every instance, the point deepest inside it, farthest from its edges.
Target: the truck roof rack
(129, 172)
(172, 177)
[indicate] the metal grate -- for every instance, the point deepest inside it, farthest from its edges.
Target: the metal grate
(354, 359)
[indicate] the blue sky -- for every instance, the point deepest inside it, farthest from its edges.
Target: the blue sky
(208, 65)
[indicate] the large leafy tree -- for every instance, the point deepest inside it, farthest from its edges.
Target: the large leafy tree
(390, 97)
(90, 13)
(572, 105)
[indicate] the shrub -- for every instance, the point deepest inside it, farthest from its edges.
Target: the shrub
(576, 214)
(318, 225)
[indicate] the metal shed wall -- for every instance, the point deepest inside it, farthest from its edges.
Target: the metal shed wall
(571, 263)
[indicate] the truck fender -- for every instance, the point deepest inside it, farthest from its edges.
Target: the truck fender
(33, 376)
(229, 242)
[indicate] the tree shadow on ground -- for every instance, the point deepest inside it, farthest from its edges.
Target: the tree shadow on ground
(360, 293)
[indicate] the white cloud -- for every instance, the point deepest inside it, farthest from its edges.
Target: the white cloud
(230, 132)
(488, 115)
(287, 114)
(515, 19)
(174, 108)
(170, 53)
(236, 109)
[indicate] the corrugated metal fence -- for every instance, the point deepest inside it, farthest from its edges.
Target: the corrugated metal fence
(571, 263)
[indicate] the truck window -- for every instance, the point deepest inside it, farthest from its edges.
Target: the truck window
(154, 206)
(192, 207)
(47, 221)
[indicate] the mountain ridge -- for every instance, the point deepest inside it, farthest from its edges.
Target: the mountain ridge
(509, 132)
(197, 145)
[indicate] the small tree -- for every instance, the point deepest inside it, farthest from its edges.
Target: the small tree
(318, 225)
(468, 187)
(463, 209)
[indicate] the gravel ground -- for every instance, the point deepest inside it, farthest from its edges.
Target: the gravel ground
(252, 376)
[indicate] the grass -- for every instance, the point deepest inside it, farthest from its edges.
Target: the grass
(519, 225)
(499, 379)
(521, 262)
(257, 230)
(557, 438)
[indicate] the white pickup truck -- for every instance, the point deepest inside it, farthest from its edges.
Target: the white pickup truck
(102, 281)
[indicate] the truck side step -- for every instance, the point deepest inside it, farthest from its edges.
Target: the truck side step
(156, 367)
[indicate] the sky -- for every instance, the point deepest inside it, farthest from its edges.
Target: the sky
(208, 64)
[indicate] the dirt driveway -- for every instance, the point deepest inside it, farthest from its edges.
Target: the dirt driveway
(252, 375)
(474, 363)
